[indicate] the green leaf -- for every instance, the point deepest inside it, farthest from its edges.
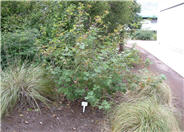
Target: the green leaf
(105, 105)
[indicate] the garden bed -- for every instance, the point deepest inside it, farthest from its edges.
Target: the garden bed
(67, 117)
(61, 118)
(72, 56)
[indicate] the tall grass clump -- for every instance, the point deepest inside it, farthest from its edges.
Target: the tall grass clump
(143, 116)
(23, 84)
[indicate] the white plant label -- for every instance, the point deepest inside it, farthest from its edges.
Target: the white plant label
(84, 104)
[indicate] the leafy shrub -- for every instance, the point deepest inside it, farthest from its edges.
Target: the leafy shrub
(143, 116)
(144, 35)
(78, 44)
(14, 15)
(31, 14)
(19, 45)
(85, 62)
(149, 85)
(131, 57)
(24, 85)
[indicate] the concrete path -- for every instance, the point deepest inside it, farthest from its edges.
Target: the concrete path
(171, 57)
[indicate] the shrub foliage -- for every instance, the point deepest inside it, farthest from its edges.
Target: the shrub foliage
(20, 44)
(149, 85)
(85, 62)
(76, 41)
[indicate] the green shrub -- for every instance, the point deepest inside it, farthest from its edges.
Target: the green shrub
(31, 14)
(77, 43)
(20, 44)
(85, 63)
(150, 85)
(143, 116)
(24, 85)
(144, 35)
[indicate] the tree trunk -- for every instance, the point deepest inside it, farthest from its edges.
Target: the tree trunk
(121, 47)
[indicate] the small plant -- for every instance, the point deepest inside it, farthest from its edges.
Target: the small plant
(147, 62)
(143, 116)
(24, 85)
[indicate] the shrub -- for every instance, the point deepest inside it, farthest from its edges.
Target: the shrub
(78, 44)
(144, 35)
(143, 116)
(150, 85)
(85, 62)
(19, 45)
(24, 85)
(31, 14)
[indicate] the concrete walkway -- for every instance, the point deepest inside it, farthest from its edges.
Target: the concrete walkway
(171, 57)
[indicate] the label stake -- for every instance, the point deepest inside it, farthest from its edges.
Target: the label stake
(84, 104)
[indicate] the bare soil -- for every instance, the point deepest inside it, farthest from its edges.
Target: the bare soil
(69, 117)
(61, 118)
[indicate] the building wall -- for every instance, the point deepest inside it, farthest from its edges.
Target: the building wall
(171, 28)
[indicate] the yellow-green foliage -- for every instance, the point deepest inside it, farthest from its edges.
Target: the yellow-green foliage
(143, 116)
(23, 84)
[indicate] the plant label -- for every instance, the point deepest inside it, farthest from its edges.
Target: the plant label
(84, 104)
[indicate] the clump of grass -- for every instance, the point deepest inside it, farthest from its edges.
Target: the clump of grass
(143, 116)
(24, 84)
(151, 85)
(146, 107)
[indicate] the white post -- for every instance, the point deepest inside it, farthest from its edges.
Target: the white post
(84, 104)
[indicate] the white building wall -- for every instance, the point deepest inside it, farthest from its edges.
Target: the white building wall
(171, 28)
